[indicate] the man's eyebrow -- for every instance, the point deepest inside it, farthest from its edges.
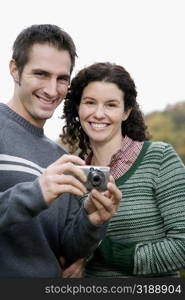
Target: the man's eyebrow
(64, 76)
(40, 71)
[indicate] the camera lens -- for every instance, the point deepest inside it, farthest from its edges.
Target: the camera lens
(96, 179)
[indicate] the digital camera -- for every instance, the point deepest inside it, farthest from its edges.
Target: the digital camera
(97, 177)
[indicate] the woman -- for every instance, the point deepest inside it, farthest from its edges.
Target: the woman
(147, 235)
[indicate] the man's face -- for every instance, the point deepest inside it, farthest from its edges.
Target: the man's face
(43, 83)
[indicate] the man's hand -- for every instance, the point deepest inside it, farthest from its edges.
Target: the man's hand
(102, 206)
(63, 176)
(75, 270)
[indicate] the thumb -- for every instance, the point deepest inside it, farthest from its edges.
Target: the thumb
(62, 261)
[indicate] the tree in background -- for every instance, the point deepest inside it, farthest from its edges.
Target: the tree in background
(169, 126)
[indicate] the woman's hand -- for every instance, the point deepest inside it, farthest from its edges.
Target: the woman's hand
(75, 270)
(100, 206)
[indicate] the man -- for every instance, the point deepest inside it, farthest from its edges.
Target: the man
(40, 219)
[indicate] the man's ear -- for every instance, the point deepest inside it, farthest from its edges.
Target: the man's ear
(126, 114)
(14, 71)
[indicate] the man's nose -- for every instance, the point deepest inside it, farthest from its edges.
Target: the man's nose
(51, 88)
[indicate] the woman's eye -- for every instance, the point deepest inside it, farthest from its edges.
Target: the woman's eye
(89, 102)
(111, 105)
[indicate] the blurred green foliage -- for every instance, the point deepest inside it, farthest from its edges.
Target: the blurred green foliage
(169, 126)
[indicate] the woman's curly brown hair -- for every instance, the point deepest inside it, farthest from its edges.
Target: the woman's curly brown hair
(134, 127)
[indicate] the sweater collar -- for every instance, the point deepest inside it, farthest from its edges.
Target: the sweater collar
(20, 120)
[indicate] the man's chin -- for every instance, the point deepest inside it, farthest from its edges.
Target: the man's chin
(47, 115)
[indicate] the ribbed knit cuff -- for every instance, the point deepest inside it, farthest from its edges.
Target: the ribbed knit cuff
(117, 254)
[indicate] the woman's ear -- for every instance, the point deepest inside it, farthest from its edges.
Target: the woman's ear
(126, 114)
(14, 71)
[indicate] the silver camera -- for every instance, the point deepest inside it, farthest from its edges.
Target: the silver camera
(97, 177)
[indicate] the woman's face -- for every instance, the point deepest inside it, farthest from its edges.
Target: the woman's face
(101, 111)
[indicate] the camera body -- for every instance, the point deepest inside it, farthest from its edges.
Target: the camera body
(97, 177)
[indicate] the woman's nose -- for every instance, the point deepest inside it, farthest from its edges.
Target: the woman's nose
(99, 111)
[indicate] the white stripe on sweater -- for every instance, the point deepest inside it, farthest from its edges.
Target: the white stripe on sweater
(19, 168)
(16, 159)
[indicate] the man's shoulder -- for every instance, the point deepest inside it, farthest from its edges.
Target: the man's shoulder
(56, 146)
(2, 114)
(4, 122)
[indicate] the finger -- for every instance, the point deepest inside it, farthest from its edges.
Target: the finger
(72, 275)
(115, 192)
(74, 270)
(102, 201)
(66, 274)
(111, 179)
(69, 189)
(69, 168)
(88, 205)
(71, 158)
(77, 275)
(62, 261)
(107, 194)
(64, 183)
(71, 181)
(101, 215)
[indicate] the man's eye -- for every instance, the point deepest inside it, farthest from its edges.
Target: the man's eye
(64, 80)
(39, 73)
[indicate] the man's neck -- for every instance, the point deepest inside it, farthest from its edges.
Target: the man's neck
(17, 107)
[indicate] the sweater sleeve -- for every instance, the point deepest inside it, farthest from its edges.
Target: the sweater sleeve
(117, 254)
(163, 255)
(80, 237)
(20, 203)
(167, 254)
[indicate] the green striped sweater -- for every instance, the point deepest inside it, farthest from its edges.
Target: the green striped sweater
(146, 237)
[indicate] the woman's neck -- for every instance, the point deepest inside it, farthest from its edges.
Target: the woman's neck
(102, 154)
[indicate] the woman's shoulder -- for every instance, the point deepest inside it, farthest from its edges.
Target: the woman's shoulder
(158, 145)
(162, 149)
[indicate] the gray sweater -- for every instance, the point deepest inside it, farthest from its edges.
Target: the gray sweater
(33, 235)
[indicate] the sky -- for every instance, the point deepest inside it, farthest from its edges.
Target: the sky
(147, 37)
